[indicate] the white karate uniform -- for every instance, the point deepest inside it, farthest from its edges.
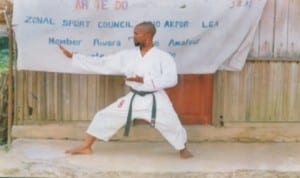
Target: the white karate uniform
(159, 71)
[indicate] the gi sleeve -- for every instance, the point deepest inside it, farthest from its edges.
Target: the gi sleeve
(110, 64)
(166, 77)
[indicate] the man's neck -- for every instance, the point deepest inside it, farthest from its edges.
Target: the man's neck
(145, 49)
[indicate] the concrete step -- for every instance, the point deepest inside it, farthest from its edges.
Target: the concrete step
(238, 132)
(118, 159)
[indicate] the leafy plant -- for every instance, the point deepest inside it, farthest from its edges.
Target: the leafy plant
(3, 60)
(3, 53)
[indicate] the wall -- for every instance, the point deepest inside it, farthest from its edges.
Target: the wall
(266, 90)
(47, 97)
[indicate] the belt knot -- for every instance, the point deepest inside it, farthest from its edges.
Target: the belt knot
(129, 115)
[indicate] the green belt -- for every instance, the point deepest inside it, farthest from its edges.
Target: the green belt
(153, 114)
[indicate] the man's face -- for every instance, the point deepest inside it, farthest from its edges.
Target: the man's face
(139, 36)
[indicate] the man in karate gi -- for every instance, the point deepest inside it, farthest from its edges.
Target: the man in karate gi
(148, 70)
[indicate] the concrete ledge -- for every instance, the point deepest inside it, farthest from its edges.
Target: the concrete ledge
(46, 158)
(242, 132)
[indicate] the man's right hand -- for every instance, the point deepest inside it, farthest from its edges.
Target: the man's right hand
(65, 51)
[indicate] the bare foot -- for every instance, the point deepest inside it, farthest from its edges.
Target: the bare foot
(80, 150)
(185, 154)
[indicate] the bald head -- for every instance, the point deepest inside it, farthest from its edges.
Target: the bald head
(148, 27)
(143, 35)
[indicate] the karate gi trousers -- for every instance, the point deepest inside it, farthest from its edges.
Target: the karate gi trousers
(109, 120)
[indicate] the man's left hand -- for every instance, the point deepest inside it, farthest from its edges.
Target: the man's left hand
(137, 78)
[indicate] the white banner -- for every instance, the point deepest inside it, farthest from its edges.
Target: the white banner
(202, 35)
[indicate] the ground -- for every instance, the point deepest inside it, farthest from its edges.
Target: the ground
(118, 159)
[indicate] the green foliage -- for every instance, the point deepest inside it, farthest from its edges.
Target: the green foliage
(3, 60)
(3, 42)
(3, 68)
(3, 53)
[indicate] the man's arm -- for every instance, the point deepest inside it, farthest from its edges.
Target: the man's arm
(165, 78)
(138, 79)
(107, 65)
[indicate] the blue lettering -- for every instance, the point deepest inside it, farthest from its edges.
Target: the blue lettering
(66, 41)
(39, 20)
(156, 24)
(109, 43)
(114, 24)
(130, 38)
(97, 55)
(172, 54)
(187, 42)
(76, 23)
(176, 24)
(210, 24)
(156, 43)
